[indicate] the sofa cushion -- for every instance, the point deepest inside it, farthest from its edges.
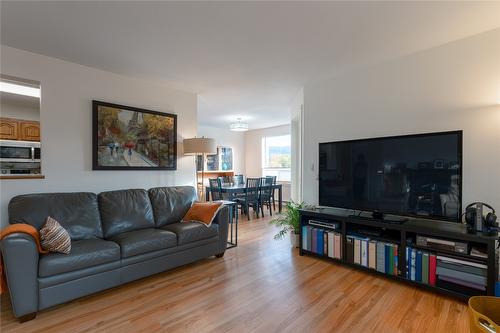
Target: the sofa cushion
(125, 210)
(78, 212)
(188, 232)
(170, 204)
(84, 253)
(142, 241)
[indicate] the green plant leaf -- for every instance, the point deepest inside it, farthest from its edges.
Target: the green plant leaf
(289, 219)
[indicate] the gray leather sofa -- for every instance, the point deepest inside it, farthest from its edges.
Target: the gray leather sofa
(116, 237)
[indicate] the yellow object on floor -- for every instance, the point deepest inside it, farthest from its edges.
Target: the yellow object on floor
(484, 314)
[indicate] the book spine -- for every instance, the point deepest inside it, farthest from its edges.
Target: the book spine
(304, 237)
(380, 257)
(477, 279)
(388, 263)
(331, 245)
(314, 240)
(463, 268)
(364, 253)
(396, 259)
(319, 247)
(462, 282)
(357, 251)
(418, 273)
(372, 254)
(309, 239)
(425, 268)
(413, 264)
(408, 263)
(325, 242)
(350, 250)
(338, 246)
(432, 269)
(459, 261)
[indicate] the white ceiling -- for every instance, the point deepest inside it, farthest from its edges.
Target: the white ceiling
(245, 59)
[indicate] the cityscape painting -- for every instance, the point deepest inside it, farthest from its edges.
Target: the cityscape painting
(128, 138)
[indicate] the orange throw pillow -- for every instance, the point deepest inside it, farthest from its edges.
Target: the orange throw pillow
(203, 212)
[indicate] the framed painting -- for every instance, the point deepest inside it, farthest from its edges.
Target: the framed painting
(129, 138)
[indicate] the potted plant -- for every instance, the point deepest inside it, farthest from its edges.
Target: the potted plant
(289, 222)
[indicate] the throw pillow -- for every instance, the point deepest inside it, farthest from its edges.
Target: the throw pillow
(54, 237)
(203, 212)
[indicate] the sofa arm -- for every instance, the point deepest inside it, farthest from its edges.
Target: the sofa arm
(222, 219)
(20, 259)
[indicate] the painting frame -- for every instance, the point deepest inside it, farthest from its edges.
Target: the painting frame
(96, 165)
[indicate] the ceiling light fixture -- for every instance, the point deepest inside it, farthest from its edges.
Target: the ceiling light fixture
(238, 126)
(19, 89)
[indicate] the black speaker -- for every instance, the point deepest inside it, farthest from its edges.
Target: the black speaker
(475, 218)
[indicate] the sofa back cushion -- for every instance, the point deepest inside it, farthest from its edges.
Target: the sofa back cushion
(125, 210)
(170, 204)
(78, 212)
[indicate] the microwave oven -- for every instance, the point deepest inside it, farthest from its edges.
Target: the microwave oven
(19, 151)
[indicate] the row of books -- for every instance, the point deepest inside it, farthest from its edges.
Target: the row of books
(322, 241)
(421, 266)
(461, 275)
(374, 254)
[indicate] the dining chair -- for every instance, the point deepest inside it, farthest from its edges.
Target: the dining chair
(265, 194)
(215, 187)
(250, 198)
(273, 190)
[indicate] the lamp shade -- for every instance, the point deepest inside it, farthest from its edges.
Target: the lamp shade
(196, 146)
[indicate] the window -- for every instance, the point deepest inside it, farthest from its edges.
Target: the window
(276, 157)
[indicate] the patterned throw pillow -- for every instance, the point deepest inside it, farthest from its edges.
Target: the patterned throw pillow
(54, 237)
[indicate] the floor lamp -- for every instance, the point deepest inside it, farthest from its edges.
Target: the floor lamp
(200, 146)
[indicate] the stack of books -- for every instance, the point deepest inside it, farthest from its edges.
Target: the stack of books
(460, 275)
(421, 266)
(323, 242)
(374, 254)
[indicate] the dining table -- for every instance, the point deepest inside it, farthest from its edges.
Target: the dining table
(233, 189)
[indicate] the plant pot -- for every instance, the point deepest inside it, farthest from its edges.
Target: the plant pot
(294, 239)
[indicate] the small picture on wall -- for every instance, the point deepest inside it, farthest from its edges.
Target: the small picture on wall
(128, 138)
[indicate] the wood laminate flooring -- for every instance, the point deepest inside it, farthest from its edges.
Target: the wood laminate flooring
(262, 285)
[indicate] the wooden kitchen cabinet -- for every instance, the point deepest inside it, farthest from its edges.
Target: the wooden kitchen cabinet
(19, 129)
(9, 129)
(29, 130)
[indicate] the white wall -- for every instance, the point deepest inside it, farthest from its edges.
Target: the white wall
(16, 111)
(454, 86)
(253, 152)
(225, 137)
(66, 113)
(297, 116)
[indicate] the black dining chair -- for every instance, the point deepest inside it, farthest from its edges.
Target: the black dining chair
(215, 187)
(250, 198)
(265, 194)
(273, 190)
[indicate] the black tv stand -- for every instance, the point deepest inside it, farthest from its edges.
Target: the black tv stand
(403, 235)
(381, 217)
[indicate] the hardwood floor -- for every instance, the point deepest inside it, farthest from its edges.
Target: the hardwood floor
(260, 286)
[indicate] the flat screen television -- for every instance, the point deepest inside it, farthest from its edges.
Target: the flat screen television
(411, 175)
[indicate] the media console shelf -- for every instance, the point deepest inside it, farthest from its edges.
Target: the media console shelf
(392, 250)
